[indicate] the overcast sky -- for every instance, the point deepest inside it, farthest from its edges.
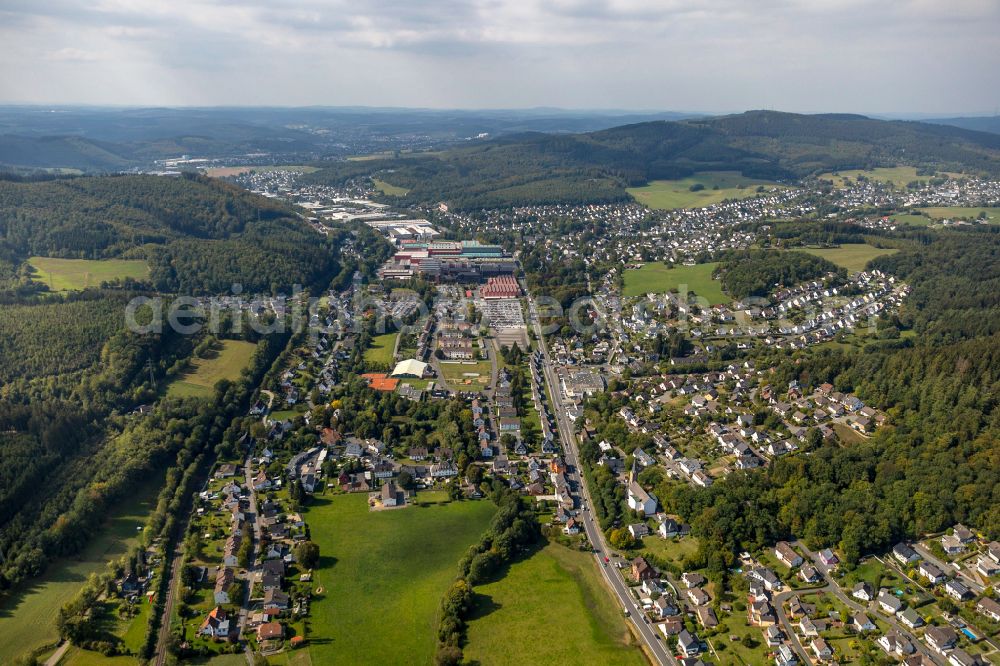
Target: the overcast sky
(873, 56)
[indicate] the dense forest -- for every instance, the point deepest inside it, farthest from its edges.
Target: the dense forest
(758, 272)
(199, 235)
(596, 167)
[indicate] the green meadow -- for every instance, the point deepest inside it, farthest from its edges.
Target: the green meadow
(717, 186)
(383, 574)
(551, 608)
(76, 274)
(391, 190)
(657, 278)
(380, 351)
(27, 614)
(853, 257)
(224, 362)
(962, 213)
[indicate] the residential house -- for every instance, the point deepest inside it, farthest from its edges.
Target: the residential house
(895, 643)
(990, 608)
(959, 657)
(270, 631)
(706, 616)
(941, 639)
(786, 554)
(821, 649)
(904, 554)
(957, 590)
(827, 557)
(863, 591)
(809, 574)
(638, 530)
(688, 644)
(862, 623)
(931, 573)
(890, 603)
(698, 596)
(911, 618)
(692, 579)
(216, 625)
(223, 579)
(642, 570)
(276, 599)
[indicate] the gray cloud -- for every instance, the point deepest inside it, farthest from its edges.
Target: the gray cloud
(711, 55)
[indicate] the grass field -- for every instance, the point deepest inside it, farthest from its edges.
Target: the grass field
(912, 219)
(391, 190)
(658, 279)
(27, 615)
(670, 194)
(853, 257)
(75, 274)
(381, 350)
(897, 176)
(455, 373)
(962, 212)
(556, 606)
(383, 575)
(226, 362)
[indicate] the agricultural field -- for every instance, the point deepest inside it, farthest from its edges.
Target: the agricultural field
(75, 274)
(962, 212)
(896, 176)
(716, 186)
(225, 362)
(657, 278)
(853, 257)
(557, 607)
(383, 575)
(380, 351)
(391, 190)
(27, 615)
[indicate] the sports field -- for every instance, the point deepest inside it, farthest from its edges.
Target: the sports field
(557, 607)
(225, 362)
(853, 257)
(657, 278)
(75, 274)
(897, 176)
(383, 575)
(912, 219)
(381, 348)
(27, 616)
(465, 371)
(963, 212)
(391, 190)
(717, 186)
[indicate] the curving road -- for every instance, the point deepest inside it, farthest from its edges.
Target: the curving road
(654, 646)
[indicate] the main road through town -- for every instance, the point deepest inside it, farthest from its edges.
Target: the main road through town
(655, 646)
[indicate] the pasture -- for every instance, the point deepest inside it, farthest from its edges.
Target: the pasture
(76, 274)
(380, 351)
(717, 186)
(962, 213)
(224, 362)
(853, 257)
(555, 587)
(27, 614)
(657, 278)
(383, 575)
(391, 190)
(896, 176)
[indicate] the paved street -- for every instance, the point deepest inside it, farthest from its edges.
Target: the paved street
(654, 644)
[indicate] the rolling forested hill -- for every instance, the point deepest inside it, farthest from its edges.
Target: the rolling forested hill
(596, 167)
(199, 235)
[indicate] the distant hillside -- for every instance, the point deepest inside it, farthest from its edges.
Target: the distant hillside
(597, 166)
(198, 234)
(977, 123)
(61, 151)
